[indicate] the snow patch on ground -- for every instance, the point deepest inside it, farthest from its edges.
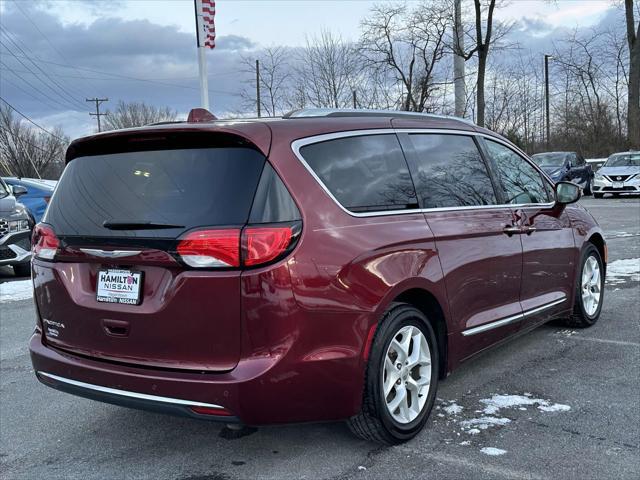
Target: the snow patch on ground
(499, 402)
(12, 291)
(490, 417)
(484, 422)
(493, 451)
(453, 409)
(623, 271)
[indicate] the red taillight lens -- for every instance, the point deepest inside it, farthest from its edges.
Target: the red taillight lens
(211, 248)
(44, 243)
(263, 244)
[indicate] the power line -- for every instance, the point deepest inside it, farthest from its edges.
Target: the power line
(65, 93)
(29, 120)
(36, 89)
(15, 135)
(17, 4)
(126, 77)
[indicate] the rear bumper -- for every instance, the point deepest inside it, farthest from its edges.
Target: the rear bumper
(125, 398)
(259, 391)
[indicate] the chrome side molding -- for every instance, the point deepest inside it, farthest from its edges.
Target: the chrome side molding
(512, 319)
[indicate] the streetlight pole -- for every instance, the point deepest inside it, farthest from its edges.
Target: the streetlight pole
(546, 95)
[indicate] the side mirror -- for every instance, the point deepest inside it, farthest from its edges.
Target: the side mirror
(567, 192)
(18, 190)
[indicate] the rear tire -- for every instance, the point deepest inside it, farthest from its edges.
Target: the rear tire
(380, 419)
(587, 188)
(22, 270)
(589, 290)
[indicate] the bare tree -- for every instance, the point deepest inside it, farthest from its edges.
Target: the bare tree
(137, 114)
(633, 104)
(325, 69)
(28, 152)
(407, 44)
(486, 34)
(275, 76)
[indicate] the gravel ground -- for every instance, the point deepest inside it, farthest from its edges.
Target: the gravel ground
(560, 404)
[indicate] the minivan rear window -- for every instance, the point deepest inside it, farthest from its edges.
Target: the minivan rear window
(181, 189)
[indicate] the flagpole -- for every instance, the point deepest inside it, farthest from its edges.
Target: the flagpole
(202, 59)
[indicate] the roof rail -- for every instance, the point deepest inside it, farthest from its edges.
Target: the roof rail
(357, 112)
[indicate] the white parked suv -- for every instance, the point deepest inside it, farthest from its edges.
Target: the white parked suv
(15, 231)
(620, 174)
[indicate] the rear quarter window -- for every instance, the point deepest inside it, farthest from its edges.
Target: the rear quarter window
(364, 173)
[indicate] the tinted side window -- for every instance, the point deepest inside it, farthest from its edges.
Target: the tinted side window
(364, 173)
(520, 181)
(449, 171)
(272, 202)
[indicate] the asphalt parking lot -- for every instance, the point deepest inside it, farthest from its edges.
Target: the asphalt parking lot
(564, 403)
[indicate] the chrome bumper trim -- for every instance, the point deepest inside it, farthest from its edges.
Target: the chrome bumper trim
(127, 394)
(512, 319)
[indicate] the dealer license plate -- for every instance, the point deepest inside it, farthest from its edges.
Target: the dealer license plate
(119, 286)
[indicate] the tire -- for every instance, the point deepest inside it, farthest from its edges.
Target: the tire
(584, 313)
(598, 195)
(587, 188)
(22, 270)
(375, 421)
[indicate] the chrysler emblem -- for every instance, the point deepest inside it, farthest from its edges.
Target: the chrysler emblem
(110, 253)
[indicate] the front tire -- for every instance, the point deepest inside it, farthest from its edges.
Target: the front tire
(598, 195)
(589, 291)
(401, 378)
(22, 270)
(588, 187)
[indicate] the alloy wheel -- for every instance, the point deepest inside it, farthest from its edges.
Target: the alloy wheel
(407, 374)
(591, 285)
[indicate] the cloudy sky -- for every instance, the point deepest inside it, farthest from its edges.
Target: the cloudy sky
(56, 53)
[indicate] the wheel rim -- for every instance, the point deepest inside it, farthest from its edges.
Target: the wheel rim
(406, 377)
(591, 285)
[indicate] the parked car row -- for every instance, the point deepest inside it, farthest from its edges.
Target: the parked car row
(619, 174)
(15, 230)
(23, 202)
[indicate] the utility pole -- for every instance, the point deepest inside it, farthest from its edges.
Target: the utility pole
(458, 61)
(546, 95)
(97, 101)
(355, 99)
(258, 87)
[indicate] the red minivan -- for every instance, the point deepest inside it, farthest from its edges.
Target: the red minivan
(327, 265)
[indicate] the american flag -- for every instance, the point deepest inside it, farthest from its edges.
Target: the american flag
(205, 16)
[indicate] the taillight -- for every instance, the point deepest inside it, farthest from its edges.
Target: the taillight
(44, 243)
(263, 244)
(233, 247)
(211, 248)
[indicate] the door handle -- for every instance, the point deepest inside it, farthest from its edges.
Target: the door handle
(509, 230)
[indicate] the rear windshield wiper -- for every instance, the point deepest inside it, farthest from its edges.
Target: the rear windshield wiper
(112, 225)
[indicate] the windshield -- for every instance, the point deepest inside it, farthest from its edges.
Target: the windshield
(623, 160)
(549, 159)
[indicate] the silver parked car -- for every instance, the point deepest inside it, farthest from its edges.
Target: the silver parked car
(620, 174)
(15, 230)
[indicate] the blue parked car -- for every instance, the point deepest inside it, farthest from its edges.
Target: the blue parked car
(38, 194)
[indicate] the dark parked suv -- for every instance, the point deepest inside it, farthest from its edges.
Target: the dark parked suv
(323, 266)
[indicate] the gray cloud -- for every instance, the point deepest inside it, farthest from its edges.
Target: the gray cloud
(124, 50)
